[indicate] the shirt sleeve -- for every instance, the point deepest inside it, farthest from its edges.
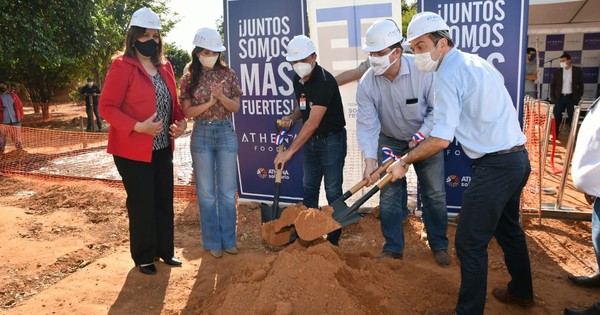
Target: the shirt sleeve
(234, 87)
(183, 86)
(447, 109)
(115, 91)
(427, 82)
(367, 123)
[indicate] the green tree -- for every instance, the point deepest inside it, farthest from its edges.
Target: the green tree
(408, 10)
(50, 44)
(178, 58)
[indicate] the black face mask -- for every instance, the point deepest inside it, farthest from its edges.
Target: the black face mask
(3, 89)
(147, 48)
(531, 57)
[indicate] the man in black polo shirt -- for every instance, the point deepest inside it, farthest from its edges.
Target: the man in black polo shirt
(323, 134)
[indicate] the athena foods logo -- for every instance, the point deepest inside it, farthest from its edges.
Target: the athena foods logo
(270, 173)
(261, 172)
(452, 181)
(455, 181)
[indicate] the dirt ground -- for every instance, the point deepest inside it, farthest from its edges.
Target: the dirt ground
(65, 249)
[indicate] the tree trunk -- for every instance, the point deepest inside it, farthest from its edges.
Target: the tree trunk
(36, 107)
(45, 110)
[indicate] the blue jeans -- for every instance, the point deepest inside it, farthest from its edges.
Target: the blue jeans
(490, 208)
(596, 231)
(14, 129)
(324, 159)
(214, 149)
(562, 103)
(393, 198)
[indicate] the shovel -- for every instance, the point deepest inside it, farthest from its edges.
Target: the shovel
(274, 211)
(343, 212)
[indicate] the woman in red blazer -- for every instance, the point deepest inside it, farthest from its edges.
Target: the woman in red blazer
(140, 103)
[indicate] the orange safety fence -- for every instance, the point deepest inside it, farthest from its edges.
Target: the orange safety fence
(68, 155)
(536, 118)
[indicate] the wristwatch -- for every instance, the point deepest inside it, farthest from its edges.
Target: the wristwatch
(404, 164)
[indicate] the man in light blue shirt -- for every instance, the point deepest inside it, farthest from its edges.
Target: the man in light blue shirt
(395, 104)
(473, 105)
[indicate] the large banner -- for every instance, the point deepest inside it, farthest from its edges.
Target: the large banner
(338, 29)
(496, 30)
(256, 34)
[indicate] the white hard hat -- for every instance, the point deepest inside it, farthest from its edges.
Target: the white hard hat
(146, 18)
(299, 48)
(423, 23)
(382, 34)
(209, 38)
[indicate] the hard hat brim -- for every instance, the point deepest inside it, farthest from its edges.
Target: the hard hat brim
(215, 49)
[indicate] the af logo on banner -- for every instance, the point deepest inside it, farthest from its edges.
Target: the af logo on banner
(496, 30)
(257, 33)
(338, 28)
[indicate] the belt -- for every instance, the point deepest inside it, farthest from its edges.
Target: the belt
(517, 148)
(324, 134)
(566, 94)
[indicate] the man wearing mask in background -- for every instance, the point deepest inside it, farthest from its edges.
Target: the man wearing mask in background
(323, 134)
(472, 104)
(395, 106)
(566, 89)
(11, 115)
(91, 93)
(531, 71)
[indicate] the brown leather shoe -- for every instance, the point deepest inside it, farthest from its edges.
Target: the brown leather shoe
(585, 281)
(442, 258)
(389, 255)
(507, 298)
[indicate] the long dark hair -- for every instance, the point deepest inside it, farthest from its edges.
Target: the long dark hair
(133, 34)
(195, 69)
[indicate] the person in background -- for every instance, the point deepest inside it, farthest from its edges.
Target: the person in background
(11, 115)
(353, 74)
(395, 106)
(531, 71)
(566, 90)
(323, 134)
(91, 92)
(210, 93)
(586, 177)
(473, 105)
(140, 103)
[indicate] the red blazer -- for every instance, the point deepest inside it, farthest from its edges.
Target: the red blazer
(127, 98)
(16, 103)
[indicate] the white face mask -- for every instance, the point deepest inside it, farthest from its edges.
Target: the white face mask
(302, 69)
(382, 63)
(208, 62)
(424, 62)
(563, 64)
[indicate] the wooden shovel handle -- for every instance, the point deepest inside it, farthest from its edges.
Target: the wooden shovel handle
(278, 171)
(364, 182)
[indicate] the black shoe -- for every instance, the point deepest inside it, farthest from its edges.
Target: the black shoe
(581, 311)
(147, 269)
(585, 281)
(173, 261)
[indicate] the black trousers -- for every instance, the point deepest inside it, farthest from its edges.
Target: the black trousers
(149, 188)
